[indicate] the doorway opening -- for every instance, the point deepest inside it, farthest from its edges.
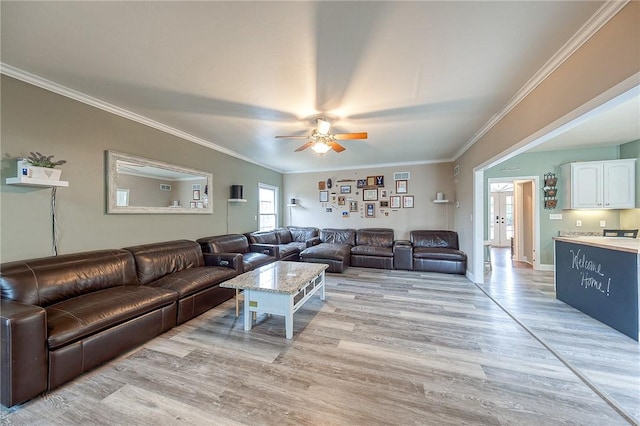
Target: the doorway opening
(512, 220)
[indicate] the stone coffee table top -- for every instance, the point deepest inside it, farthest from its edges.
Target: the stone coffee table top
(277, 277)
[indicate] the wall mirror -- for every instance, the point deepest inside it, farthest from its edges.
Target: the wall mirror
(141, 185)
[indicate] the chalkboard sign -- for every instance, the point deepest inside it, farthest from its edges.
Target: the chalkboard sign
(602, 283)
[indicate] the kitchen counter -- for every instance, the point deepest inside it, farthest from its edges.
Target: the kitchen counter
(600, 276)
(631, 245)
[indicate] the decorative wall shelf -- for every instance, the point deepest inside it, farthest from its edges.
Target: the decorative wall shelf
(293, 205)
(28, 181)
(440, 201)
(236, 200)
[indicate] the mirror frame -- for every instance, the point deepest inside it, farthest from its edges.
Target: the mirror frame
(112, 174)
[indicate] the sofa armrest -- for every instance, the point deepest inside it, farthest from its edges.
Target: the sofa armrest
(268, 249)
(313, 241)
(23, 367)
(229, 260)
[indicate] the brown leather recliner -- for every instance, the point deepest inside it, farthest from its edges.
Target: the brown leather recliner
(437, 251)
(290, 241)
(374, 248)
(181, 266)
(253, 255)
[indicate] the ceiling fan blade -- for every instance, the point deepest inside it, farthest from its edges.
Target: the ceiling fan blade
(305, 146)
(292, 137)
(336, 146)
(347, 136)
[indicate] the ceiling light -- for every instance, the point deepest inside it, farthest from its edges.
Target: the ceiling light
(320, 147)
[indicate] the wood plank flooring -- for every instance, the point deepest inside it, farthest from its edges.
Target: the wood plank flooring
(386, 347)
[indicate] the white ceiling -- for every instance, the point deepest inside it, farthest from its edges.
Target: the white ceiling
(422, 78)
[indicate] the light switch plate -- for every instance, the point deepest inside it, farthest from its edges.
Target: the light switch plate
(578, 223)
(603, 223)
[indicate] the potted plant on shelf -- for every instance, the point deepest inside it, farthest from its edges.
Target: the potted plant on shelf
(38, 166)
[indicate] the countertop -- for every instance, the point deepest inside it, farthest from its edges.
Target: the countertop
(631, 245)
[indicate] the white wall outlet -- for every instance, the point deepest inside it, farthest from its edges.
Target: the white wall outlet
(555, 216)
(603, 223)
(578, 223)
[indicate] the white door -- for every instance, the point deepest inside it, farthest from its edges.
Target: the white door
(501, 218)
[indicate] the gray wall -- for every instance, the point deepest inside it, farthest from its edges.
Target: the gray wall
(34, 119)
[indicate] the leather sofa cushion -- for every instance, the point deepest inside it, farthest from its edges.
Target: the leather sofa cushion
(442, 239)
(49, 280)
(81, 316)
(231, 243)
(438, 254)
(193, 280)
(283, 235)
(382, 237)
(372, 251)
(338, 236)
(154, 261)
(264, 237)
(327, 251)
(302, 233)
(254, 260)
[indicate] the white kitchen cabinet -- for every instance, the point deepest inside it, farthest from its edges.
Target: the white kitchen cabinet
(599, 184)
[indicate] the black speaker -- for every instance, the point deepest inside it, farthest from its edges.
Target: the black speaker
(236, 192)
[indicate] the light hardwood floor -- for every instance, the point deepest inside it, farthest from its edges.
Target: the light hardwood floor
(386, 347)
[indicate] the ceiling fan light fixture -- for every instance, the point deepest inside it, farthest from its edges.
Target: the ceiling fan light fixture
(320, 148)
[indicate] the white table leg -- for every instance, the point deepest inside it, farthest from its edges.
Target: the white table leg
(322, 290)
(288, 324)
(247, 314)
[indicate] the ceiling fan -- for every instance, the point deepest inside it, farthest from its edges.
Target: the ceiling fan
(321, 141)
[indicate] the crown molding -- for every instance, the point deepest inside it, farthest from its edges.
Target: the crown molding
(59, 89)
(371, 166)
(597, 21)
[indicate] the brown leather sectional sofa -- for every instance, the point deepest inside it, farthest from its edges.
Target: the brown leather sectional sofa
(63, 315)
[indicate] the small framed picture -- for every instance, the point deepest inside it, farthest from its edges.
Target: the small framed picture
(361, 183)
(324, 196)
(196, 186)
(353, 206)
(322, 185)
(370, 210)
(341, 200)
(345, 189)
(379, 180)
(199, 205)
(383, 193)
(401, 187)
(394, 201)
(384, 204)
(345, 214)
(370, 195)
(192, 205)
(407, 201)
(196, 194)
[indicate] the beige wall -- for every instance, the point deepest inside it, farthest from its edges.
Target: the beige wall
(608, 58)
(34, 119)
(426, 180)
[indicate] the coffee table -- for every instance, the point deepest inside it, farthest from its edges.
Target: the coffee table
(279, 288)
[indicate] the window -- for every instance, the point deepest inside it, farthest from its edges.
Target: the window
(267, 207)
(122, 197)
